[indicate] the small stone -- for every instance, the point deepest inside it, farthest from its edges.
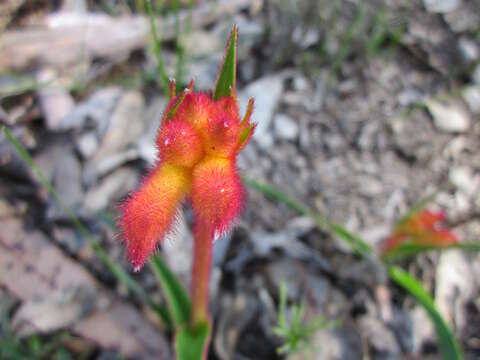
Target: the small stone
(468, 50)
(464, 19)
(69, 239)
(112, 187)
(380, 338)
(55, 102)
(265, 141)
(441, 6)
(286, 272)
(471, 95)
(125, 126)
(422, 329)
(285, 127)
(455, 285)
(266, 92)
(448, 118)
(94, 111)
(300, 83)
(66, 180)
(202, 43)
(342, 342)
(409, 97)
(87, 144)
(464, 179)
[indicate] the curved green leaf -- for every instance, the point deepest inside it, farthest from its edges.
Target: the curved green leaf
(447, 343)
(227, 75)
(177, 298)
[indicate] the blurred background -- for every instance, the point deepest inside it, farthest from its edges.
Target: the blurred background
(363, 108)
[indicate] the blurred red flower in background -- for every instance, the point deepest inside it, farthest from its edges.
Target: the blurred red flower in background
(422, 228)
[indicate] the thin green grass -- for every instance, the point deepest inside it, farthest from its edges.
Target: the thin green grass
(347, 40)
(157, 48)
(179, 48)
(121, 275)
(177, 298)
(449, 348)
(293, 327)
(358, 245)
(410, 249)
(384, 32)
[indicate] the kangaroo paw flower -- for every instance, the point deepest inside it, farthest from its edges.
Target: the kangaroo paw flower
(197, 144)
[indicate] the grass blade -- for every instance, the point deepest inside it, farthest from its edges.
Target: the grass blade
(409, 249)
(358, 245)
(121, 275)
(277, 195)
(179, 48)
(157, 48)
(448, 345)
(347, 40)
(177, 298)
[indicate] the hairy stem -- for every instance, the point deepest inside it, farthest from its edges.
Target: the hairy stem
(202, 261)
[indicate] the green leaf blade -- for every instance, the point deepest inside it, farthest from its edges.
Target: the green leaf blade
(177, 298)
(410, 249)
(448, 345)
(227, 75)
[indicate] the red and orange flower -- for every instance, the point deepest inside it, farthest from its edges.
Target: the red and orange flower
(423, 228)
(198, 141)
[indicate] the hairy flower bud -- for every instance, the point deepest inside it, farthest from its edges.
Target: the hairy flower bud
(196, 109)
(217, 193)
(179, 144)
(148, 213)
(222, 135)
